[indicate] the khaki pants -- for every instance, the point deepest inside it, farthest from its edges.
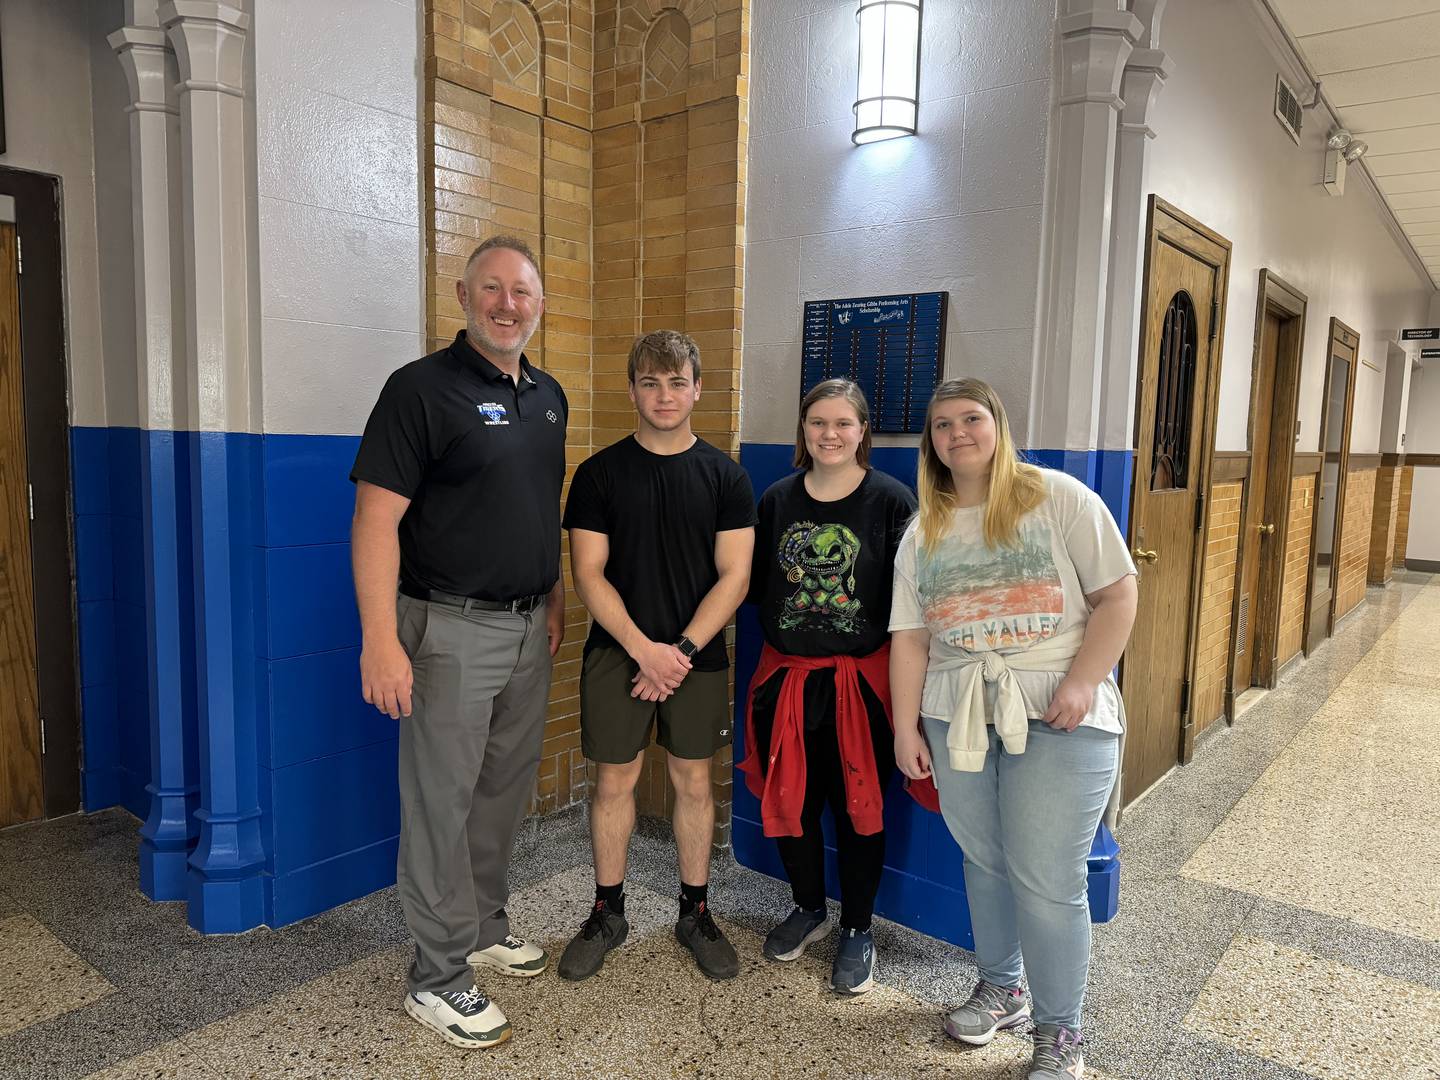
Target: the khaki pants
(468, 755)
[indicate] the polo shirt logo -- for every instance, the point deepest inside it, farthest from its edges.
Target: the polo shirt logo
(550, 415)
(493, 412)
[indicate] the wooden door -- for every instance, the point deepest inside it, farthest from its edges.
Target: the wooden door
(21, 790)
(1184, 281)
(1330, 484)
(1261, 540)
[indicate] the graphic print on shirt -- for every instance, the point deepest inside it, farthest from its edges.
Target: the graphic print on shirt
(820, 561)
(984, 599)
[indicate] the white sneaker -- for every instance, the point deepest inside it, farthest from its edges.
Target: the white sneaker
(464, 1017)
(513, 956)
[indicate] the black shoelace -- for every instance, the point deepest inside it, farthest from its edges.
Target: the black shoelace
(704, 923)
(595, 924)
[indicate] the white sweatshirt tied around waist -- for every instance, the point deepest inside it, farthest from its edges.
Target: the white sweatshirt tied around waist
(967, 740)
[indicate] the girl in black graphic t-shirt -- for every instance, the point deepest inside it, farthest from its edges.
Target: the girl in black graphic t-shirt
(818, 728)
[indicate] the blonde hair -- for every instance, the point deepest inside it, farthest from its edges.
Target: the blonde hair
(1015, 488)
(855, 398)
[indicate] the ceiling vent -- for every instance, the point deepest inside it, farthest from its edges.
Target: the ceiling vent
(1288, 109)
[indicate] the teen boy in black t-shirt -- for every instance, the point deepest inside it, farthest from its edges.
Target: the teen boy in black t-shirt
(661, 538)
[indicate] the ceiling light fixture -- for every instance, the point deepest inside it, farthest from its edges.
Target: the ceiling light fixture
(887, 90)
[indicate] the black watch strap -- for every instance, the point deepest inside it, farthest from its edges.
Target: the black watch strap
(686, 646)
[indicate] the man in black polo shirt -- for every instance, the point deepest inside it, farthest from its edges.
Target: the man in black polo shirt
(661, 532)
(458, 507)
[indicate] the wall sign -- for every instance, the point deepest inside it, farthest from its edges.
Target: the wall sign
(892, 346)
(1421, 333)
(1430, 354)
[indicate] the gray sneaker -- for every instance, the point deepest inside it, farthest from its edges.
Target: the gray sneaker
(989, 1009)
(800, 929)
(602, 931)
(715, 955)
(1057, 1054)
(854, 969)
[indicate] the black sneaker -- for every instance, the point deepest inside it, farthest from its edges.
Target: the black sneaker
(602, 931)
(800, 928)
(715, 956)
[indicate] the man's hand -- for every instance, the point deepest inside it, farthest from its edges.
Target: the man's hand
(646, 690)
(555, 625)
(663, 666)
(386, 678)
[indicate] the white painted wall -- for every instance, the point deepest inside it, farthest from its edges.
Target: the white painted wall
(341, 249)
(49, 128)
(957, 207)
(1220, 156)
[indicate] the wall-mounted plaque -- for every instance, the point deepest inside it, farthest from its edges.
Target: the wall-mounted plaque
(892, 346)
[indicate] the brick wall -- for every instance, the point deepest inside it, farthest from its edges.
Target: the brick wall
(1217, 597)
(670, 127)
(1354, 556)
(613, 140)
(1402, 513)
(1297, 568)
(1382, 525)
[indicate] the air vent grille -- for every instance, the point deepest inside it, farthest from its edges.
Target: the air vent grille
(1243, 626)
(1288, 109)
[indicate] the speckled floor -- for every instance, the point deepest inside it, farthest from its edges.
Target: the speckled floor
(1280, 918)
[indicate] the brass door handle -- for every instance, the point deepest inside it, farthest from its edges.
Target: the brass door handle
(1267, 530)
(1146, 556)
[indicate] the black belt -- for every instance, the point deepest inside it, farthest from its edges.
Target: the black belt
(520, 606)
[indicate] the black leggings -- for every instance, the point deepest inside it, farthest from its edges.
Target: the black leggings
(861, 858)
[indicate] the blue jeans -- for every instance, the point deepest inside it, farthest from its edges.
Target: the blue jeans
(1025, 824)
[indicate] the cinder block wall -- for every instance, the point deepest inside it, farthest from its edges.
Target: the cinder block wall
(612, 137)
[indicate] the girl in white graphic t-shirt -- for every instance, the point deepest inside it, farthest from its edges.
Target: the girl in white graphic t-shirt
(1014, 598)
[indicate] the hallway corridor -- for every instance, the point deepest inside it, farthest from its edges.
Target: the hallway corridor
(1279, 918)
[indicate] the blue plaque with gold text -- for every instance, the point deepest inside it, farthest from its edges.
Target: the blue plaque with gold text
(892, 346)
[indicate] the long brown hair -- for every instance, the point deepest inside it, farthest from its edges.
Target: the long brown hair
(1015, 487)
(833, 388)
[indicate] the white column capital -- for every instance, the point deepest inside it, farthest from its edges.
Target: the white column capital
(1094, 48)
(145, 54)
(1144, 75)
(209, 41)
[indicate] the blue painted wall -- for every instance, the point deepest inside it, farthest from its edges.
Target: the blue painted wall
(923, 884)
(323, 760)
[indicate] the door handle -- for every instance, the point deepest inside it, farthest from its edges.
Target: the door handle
(1267, 529)
(1146, 556)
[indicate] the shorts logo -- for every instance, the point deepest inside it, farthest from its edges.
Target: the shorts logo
(550, 415)
(493, 412)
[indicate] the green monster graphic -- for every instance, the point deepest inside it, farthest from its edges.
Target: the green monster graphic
(820, 560)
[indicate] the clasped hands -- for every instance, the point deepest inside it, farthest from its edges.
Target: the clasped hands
(662, 669)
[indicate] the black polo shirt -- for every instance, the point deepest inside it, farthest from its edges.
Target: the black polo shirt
(482, 462)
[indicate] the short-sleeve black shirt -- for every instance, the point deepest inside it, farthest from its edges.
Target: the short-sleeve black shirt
(661, 513)
(823, 570)
(482, 462)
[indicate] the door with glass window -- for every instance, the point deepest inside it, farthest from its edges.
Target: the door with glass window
(1185, 274)
(1330, 485)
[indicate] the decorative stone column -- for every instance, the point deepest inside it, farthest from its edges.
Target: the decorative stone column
(1095, 39)
(170, 830)
(1144, 74)
(225, 889)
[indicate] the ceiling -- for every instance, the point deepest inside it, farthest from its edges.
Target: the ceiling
(1379, 65)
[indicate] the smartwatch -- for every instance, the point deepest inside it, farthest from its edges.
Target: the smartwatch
(686, 647)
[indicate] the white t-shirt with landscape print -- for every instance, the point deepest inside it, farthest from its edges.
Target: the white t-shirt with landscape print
(975, 599)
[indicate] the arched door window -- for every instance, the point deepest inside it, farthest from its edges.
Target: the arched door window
(1174, 394)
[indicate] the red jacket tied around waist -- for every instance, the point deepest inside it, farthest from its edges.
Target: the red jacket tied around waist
(781, 787)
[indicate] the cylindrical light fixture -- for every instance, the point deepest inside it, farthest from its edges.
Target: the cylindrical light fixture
(888, 88)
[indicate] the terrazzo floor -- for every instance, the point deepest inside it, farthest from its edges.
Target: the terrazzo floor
(1279, 919)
